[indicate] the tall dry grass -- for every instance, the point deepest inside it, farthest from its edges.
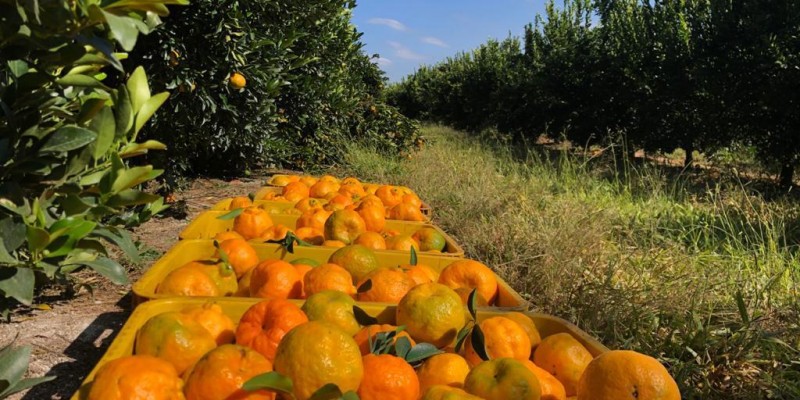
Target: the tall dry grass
(705, 280)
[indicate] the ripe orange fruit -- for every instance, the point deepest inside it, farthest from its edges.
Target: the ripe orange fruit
(322, 189)
(625, 374)
(356, 259)
(334, 307)
(389, 195)
(200, 278)
(302, 270)
(174, 337)
(421, 273)
(308, 180)
(374, 217)
(371, 188)
(295, 191)
(310, 235)
(240, 202)
(282, 180)
(371, 200)
(552, 389)
(150, 377)
(473, 275)
(388, 285)
(317, 353)
(406, 212)
(368, 332)
(430, 239)
(275, 279)
(564, 357)
(502, 338)
(464, 293)
(371, 240)
(329, 178)
(237, 80)
(328, 277)
(413, 199)
(443, 369)
(502, 379)
(390, 378)
(402, 242)
(442, 392)
(264, 324)
(351, 180)
(308, 203)
(252, 222)
(338, 201)
(526, 323)
(227, 235)
(432, 313)
(221, 372)
(211, 317)
(313, 219)
(274, 232)
(333, 243)
(241, 255)
(352, 189)
(345, 226)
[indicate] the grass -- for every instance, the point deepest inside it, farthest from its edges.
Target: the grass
(702, 276)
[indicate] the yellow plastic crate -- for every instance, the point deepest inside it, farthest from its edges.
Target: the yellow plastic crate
(274, 207)
(207, 225)
(189, 250)
(124, 342)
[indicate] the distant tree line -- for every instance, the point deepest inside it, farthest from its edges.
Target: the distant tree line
(659, 74)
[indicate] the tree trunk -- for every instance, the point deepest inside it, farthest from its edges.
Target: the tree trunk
(787, 175)
(689, 149)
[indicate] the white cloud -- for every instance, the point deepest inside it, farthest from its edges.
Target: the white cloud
(404, 52)
(391, 23)
(434, 41)
(382, 62)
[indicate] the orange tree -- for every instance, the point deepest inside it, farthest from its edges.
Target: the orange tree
(308, 86)
(66, 189)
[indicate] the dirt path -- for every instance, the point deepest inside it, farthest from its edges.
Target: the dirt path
(69, 335)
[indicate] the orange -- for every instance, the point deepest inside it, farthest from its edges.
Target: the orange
(371, 200)
(211, 317)
(351, 180)
(139, 377)
(227, 235)
(388, 285)
(625, 374)
(406, 212)
(313, 219)
(174, 337)
(237, 80)
(241, 255)
(302, 270)
(413, 199)
(240, 202)
(371, 188)
(295, 191)
(442, 392)
(526, 323)
(328, 277)
(252, 222)
(308, 180)
(322, 189)
(389, 377)
(352, 189)
(564, 357)
(308, 203)
(389, 195)
(502, 379)
(443, 369)
(473, 275)
(502, 338)
(243, 289)
(317, 353)
(374, 217)
(264, 324)
(430, 239)
(333, 243)
(344, 226)
(366, 333)
(339, 201)
(421, 273)
(281, 180)
(275, 232)
(275, 279)
(200, 278)
(432, 313)
(371, 240)
(334, 307)
(221, 373)
(310, 235)
(356, 259)
(401, 242)
(552, 389)
(464, 293)
(329, 178)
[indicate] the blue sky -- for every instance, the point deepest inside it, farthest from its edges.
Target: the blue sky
(409, 33)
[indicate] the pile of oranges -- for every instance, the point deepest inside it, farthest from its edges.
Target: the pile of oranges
(350, 326)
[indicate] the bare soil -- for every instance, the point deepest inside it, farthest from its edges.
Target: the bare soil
(70, 332)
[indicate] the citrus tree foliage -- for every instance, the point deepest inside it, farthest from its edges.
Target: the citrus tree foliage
(310, 88)
(695, 74)
(66, 189)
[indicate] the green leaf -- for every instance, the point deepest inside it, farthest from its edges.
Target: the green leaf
(89, 109)
(18, 67)
(462, 336)
(80, 80)
(123, 112)
(131, 197)
(270, 381)
(413, 260)
(350, 395)
(105, 126)
(148, 109)
(110, 269)
(472, 304)
(132, 177)
(38, 238)
(328, 391)
(26, 384)
(421, 352)
(122, 239)
(231, 215)
(478, 342)
(402, 346)
(12, 233)
(17, 283)
(13, 364)
(365, 287)
(138, 89)
(742, 307)
(362, 317)
(124, 30)
(5, 256)
(68, 138)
